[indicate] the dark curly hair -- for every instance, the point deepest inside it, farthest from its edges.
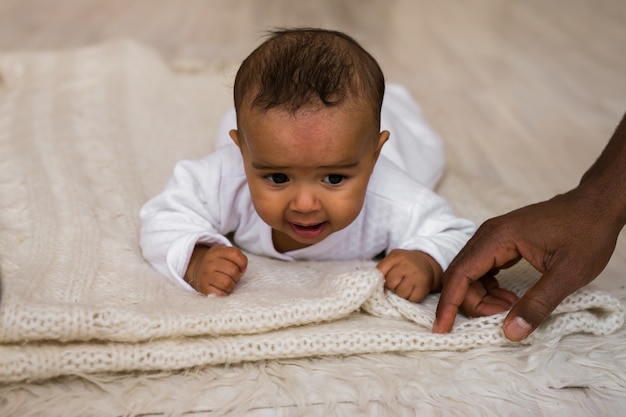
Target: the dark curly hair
(307, 66)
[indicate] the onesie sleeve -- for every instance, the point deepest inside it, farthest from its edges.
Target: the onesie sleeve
(433, 228)
(188, 211)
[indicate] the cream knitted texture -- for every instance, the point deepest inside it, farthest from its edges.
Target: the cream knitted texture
(86, 137)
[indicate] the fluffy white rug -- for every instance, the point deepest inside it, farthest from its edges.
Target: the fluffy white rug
(86, 137)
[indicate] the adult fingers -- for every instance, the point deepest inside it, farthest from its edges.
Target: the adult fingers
(483, 253)
(485, 298)
(495, 293)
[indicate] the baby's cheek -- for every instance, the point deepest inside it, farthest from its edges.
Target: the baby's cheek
(345, 211)
(268, 210)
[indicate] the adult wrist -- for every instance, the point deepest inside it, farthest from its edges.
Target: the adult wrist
(606, 195)
(605, 181)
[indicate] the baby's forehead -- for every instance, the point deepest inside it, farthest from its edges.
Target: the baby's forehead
(310, 117)
(355, 110)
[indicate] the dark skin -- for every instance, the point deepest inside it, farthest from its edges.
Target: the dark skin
(569, 239)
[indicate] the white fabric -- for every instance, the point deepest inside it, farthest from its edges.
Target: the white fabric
(207, 199)
(86, 137)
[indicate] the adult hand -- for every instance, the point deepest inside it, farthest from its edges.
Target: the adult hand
(569, 239)
(566, 239)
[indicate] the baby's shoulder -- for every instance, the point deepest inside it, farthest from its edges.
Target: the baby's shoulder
(219, 170)
(393, 185)
(223, 161)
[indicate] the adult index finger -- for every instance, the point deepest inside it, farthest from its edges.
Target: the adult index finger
(483, 253)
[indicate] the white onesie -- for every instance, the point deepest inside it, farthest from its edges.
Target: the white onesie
(208, 198)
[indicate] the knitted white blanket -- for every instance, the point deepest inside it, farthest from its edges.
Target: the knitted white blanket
(86, 137)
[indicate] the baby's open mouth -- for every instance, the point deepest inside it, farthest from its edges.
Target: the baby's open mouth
(308, 231)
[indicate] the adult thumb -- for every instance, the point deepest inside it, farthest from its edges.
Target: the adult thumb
(533, 308)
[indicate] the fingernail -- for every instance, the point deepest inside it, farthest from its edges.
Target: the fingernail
(517, 329)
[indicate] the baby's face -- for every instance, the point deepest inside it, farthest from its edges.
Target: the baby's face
(308, 172)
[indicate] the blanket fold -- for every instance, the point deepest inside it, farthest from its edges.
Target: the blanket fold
(86, 137)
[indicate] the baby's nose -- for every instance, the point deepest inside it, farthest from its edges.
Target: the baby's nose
(305, 201)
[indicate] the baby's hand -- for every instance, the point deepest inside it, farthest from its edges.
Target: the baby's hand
(410, 274)
(216, 269)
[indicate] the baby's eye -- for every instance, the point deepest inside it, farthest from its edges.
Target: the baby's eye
(277, 178)
(334, 179)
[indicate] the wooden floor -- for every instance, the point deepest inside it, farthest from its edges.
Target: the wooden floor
(526, 93)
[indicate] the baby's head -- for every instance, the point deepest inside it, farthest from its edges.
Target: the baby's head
(308, 107)
(309, 67)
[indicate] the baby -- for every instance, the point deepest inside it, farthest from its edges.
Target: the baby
(306, 179)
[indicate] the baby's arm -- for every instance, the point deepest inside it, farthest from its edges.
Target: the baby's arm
(411, 274)
(215, 269)
(192, 210)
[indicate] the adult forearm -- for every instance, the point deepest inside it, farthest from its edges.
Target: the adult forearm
(605, 181)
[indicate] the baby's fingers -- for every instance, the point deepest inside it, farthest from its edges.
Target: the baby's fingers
(220, 270)
(410, 290)
(211, 290)
(237, 258)
(221, 274)
(408, 287)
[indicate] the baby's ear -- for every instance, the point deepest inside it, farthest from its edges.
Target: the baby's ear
(234, 135)
(382, 138)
